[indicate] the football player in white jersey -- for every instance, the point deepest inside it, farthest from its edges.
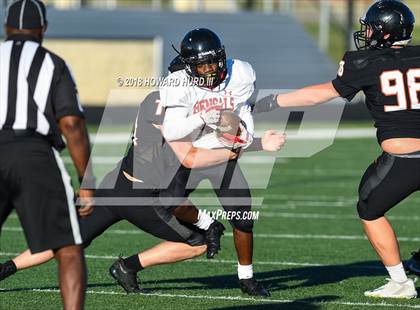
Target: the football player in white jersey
(193, 98)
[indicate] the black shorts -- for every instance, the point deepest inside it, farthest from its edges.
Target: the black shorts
(152, 219)
(228, 182)
(386, 182)
(34, 181)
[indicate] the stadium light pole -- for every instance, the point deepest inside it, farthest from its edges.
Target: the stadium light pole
(286, 5)
(104, 4)
(199, 6)
(77, 4)
(156, 4)
(349, 28)
(324, 24)
(233, 5)
(268, 6)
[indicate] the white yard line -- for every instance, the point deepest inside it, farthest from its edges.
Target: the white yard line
(320, 216)
(327, 200)
(321, 172)
(210, 261)
(349, 133)
(262, 236)
(226, 261)
(237, 298)
(310, 197)
(311, 216)
(113, 160)
(323, 204)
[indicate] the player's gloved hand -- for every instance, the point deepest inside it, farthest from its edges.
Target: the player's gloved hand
(86, 202)
(242, 139)
(271, 141)
(211, 115)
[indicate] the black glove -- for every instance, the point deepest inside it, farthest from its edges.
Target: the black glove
(266, 104)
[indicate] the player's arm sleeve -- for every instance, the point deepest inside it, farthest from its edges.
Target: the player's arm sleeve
(177, 123)
(349, 79)
(265, 104)
(65, 98)
(255, 146)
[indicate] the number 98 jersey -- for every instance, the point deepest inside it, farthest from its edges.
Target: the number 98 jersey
(390, 80)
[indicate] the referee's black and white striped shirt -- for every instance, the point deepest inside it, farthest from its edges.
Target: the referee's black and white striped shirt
(36, 88)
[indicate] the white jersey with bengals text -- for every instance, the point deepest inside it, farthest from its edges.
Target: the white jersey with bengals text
(232, 94)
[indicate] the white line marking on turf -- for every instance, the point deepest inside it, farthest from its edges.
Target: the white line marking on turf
(217, 261)
(113, 160)
(321, 172)
(309, 216)
(319, 216)
(235, 298)
(310, 197)
(225, 261)
(293, 204)
(273, 236)
(349, 133)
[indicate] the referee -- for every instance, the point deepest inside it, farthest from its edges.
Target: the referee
(38, 103)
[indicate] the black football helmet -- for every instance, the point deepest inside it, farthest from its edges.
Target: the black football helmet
(203, 46)
(385, 17)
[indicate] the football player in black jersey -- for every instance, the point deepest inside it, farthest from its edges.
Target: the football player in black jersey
(387, 70)
(139, 177)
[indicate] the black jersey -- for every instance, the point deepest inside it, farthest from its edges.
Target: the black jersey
(149, 156)
(390, 80)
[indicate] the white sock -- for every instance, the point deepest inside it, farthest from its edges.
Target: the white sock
(245, 271)
(204, 220)
(397, 273)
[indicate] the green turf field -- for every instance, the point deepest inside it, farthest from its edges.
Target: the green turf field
(309, 249)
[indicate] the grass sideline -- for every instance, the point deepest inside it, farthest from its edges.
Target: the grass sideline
(309, 249)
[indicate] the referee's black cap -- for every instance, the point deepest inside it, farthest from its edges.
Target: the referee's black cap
(26, 14)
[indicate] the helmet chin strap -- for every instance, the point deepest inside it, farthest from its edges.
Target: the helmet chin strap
(403, 42)
(374, 43)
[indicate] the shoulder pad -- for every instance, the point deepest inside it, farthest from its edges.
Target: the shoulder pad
(244, 69)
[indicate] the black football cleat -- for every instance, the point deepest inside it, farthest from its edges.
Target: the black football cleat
(253, 288)
(126, 278)
(413, 264)
(7, 269)
(213, 235)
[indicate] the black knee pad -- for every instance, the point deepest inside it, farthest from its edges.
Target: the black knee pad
(371, 180)
(368, 213)
(240, 218)
(239, 214)
(243, 225)
(375, 174)
(385, 184)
